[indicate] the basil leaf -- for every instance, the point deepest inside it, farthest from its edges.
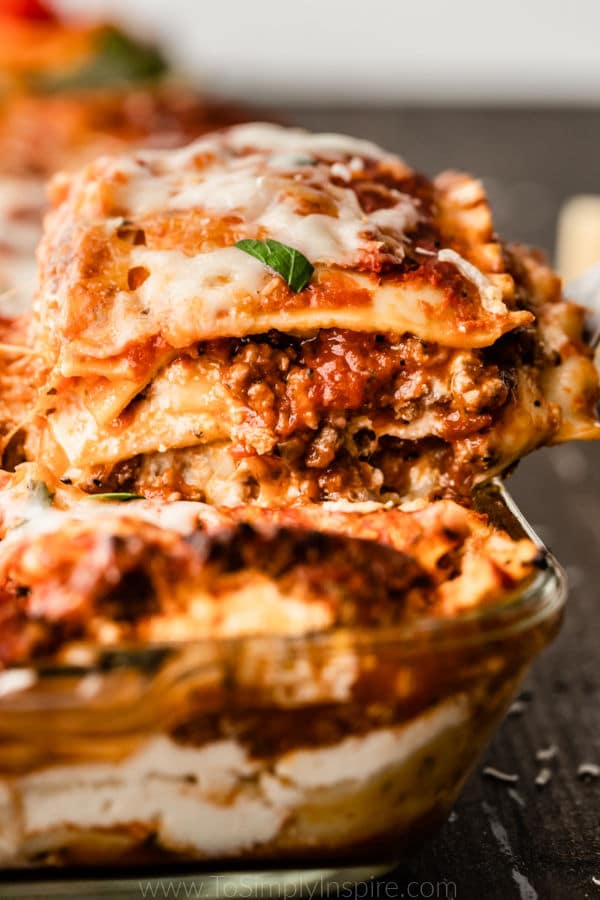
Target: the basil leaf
(40, 493)
(293, 267)
(118, 59)
(119, 498)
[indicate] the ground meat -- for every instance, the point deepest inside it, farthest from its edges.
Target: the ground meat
(299, 386)
(302, 399)
(324, 447)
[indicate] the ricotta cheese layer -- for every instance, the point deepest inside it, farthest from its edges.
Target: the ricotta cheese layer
(211, 800)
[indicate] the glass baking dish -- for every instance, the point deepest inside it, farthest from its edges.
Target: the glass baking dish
(339, 752)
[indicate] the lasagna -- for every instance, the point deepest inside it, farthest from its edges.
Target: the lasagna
(270, 316)
(242, 682)
(114, 569)
(238, 351)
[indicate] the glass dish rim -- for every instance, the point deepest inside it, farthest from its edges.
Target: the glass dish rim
(540, 599)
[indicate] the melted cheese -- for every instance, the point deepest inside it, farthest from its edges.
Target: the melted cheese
(283, 145)
(263, 135)
(215, 278)
(267, 191)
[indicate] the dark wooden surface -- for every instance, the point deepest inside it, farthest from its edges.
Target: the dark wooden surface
(522, 841)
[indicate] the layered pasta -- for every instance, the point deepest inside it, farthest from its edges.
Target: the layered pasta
(102, 571)
(259, 373)
(419, 357)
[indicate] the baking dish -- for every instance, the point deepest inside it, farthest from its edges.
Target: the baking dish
(345, 749)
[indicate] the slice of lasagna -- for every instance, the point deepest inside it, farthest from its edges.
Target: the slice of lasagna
(112, 569)
(272, 316)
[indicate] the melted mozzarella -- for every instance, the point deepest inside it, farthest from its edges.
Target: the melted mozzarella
(263, 135)
(214, 276)
(266, 189)
(280, 143)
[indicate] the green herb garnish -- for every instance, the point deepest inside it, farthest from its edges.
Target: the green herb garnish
(118, 497)
(40, 493)
(117, 60)
(293, 267)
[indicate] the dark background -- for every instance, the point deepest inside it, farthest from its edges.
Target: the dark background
(522, 841)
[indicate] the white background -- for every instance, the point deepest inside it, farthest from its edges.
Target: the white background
(424, 50)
